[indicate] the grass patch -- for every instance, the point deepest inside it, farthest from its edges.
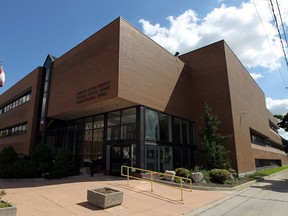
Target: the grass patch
(272, 170)
(4, 205)
(267, 172)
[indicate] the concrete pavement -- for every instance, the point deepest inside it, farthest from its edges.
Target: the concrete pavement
(68, 197)
(269, 197)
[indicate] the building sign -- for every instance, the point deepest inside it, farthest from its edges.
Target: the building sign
(97, 91)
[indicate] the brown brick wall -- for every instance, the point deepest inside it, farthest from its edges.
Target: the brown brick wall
(209, 85)
(27, 112)
(148, 74)
(246, 96)
(85, 68)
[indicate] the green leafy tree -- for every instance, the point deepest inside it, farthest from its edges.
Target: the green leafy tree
(283, 121)
(212, 142)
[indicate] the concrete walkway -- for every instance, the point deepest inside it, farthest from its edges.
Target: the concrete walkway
(265, 198)
(68, 197)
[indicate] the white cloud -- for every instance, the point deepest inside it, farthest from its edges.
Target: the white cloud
(283, 134)
(239, 26)
(277, 106)
(256, 75)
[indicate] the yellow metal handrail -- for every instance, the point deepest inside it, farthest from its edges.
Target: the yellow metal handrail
(151, 180)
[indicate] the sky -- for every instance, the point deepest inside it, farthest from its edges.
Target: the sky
(32, 29)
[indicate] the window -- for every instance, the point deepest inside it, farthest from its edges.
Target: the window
(177, 131)
(191, 134)
(184, 131)
(122, 124)
(151, 124)
(113, 130)
(128, 116)
(99, 121)
(128, 131)
(114, 118)
(15, 103)
(262, 141)
(88, 123)
(273, 127)
(15, 130)
(128, 123)
(165, 127)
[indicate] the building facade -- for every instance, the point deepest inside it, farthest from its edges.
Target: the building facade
(120, 98)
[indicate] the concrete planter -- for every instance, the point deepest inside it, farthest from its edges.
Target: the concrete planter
(8, 211)
(104, 197)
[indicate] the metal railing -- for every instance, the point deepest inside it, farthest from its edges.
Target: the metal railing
(149, 176)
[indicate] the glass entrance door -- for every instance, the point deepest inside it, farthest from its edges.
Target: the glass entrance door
(122, 155)
(115, 160)
(152, 157)
(159, 158)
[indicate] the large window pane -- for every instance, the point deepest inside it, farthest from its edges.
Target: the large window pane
(98, 144)
(166, 160)
(151, 124)
(177, 130)
(128, 131)
(184, 132)
(114, 118)
(88, 123)
(128, 116)
(164, 127)
(191, 134)
(87, 145)
(99, 121)
(113, 133)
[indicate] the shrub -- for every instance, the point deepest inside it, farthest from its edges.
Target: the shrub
(7, 155)
(182, 172)
(2, 194)
(63, 166)
(258, 175)
(42, 156)
(42, 153)
(206, 175)
(219, 175)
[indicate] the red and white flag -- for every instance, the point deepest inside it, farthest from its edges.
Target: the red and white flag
(2, 76)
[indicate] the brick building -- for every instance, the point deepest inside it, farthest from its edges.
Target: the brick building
(120, 98)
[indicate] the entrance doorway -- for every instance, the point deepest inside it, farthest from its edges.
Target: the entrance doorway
(122, 155)
(159, 158)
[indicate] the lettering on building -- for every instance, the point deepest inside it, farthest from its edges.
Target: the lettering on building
(93, 92)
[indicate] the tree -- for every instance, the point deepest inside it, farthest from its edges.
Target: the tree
(283, 121)
(212, 142)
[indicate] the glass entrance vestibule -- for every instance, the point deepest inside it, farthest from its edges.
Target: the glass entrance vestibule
(135, 136)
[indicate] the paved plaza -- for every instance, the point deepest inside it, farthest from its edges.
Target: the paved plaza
(68, 197)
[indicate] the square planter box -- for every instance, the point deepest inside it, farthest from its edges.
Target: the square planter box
(8, 211)
(104, 197)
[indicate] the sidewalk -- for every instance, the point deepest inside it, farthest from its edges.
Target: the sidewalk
(67, 197)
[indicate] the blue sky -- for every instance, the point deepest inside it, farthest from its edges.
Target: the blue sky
(32, 29)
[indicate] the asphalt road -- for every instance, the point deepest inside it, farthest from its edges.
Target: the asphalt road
(269, 197)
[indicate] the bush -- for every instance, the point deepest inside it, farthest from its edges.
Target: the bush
(206, 176)
(42, 156)
(7, 155)
(258, 175)
(219, 175)
(42, 153)
(182, 172)
(21, 168)
(13, 167)
(63, 166)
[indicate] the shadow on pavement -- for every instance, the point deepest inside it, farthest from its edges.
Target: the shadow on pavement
(20, 183)
(273, 185)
